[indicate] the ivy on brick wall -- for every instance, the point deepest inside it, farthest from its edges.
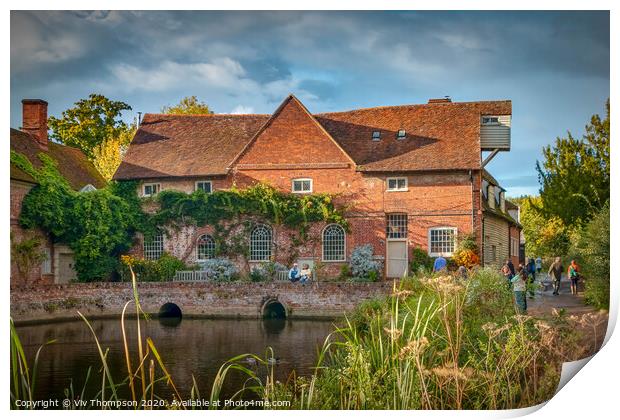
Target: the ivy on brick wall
(99, 226)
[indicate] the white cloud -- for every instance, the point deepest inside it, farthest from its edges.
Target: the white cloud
(241, 109)
(223, 73)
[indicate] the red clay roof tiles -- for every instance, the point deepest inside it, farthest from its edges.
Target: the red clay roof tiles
(439, 136)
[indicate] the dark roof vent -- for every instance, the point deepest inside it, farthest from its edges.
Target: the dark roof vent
(445, 99)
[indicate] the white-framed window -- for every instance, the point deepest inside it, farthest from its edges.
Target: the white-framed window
(205, 186)
(153, 246)
(205, 247)
(441, 241)
(149, 190)
(46, 264)
(334, 243)
(261, 243)
(490, 120)
(396, 226)
(401, 135)
(397, 184)
(302, 185)
(376, 135)
(485, 188)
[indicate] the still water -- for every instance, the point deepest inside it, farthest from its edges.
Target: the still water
(195, 347)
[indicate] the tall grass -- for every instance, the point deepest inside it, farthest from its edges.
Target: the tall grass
(437, 343)
(140, 383)
(434, 343)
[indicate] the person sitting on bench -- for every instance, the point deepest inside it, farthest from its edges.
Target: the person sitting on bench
(306, 274)
(293, 274)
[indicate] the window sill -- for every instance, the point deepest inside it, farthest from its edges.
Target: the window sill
(332, 261)
(405, 190)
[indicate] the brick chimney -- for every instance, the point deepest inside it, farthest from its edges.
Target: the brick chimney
(34, 119)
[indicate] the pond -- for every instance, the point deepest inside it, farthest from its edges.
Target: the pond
(195, 347)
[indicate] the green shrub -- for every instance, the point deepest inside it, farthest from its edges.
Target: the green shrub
(160, 270)
(591, 247)
(420, 261)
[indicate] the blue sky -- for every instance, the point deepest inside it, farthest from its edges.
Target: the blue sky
(554, 66)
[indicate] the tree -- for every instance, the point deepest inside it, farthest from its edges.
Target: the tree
(543, 237)
(108, 155)
(90, 123)
(591, 247)
(188, 105)
(575, 174)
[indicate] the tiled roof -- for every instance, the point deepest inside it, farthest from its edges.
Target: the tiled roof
(439, 136)
(187, 145)
(72, 163)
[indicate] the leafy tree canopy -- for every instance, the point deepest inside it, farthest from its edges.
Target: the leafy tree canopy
(90, 123)
(108, 155)
(188, 105)
(543, 237)
(575, 174)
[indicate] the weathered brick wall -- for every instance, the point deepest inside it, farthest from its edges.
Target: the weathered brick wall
(198, 299)
(19, 190)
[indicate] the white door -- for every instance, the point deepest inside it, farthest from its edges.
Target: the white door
(397, 261)
(66, 271)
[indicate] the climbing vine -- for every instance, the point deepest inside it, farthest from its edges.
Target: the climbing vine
(99, 226)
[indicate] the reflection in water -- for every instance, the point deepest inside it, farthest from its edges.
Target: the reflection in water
(274, 326)
(192, 347)
(170, 321)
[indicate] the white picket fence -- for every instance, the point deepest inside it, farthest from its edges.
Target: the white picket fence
(191, 276)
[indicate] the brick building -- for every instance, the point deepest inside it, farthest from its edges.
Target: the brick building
(30, 141)
(410, 176)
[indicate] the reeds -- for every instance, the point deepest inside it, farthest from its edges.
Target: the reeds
(140, 379)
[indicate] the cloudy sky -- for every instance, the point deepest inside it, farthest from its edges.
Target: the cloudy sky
(554, 66)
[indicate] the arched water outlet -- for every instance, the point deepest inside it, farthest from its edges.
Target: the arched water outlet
(170, 310)
(273, 309)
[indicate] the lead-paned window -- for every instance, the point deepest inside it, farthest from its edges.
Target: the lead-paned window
(205, 248)
(396, 226)
(302, 185)
(205, 186)
(261, 243)
(153, 246)
(334, 243)
(442, 241)
(397, 184)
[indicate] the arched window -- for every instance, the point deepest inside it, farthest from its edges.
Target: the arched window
(205, 248)
(153, 246)
(260, 243)
(333, 243)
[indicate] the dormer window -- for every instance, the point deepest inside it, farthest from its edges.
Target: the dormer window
(376, 135)
(490, 120)
(401, 135)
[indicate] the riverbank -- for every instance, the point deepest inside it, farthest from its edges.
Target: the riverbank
(201, 300)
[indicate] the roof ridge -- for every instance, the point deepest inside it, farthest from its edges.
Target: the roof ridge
(206, 115)
(410, 106)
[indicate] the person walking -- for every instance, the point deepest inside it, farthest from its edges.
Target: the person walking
(538, 264)
(519, 287)
(574, 273)
(531, 276)
(555, 271)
